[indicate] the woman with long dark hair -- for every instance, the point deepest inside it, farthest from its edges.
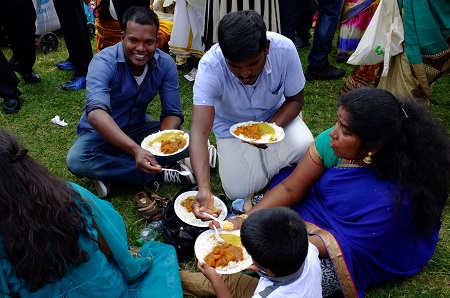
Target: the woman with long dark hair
(371, 190)
(57, 239)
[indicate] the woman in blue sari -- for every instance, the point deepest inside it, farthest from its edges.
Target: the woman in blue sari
(371, 190)
(59, 240)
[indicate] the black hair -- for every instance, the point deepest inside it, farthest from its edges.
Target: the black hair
(415, 152)
(140, 15)
(102, 9)
(241, 35)
(276, 238)
(40, 221)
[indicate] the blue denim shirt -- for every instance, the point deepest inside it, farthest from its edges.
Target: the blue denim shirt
(215, 85)
(112, 87)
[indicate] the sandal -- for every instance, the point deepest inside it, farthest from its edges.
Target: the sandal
(151, 207)
(160, 201)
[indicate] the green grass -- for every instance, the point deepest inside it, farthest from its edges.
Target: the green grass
(49, 144)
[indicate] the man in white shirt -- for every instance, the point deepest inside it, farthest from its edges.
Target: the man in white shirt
(251, 74)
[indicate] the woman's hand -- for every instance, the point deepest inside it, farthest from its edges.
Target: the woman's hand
(237, 222)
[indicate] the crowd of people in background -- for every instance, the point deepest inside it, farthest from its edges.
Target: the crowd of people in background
(318, 197)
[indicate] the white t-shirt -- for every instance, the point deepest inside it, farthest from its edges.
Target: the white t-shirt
(309, 285)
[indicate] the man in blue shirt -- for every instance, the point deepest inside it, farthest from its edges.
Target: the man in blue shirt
(122, 80)
(250, 75)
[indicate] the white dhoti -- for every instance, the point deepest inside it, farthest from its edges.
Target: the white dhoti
(245, 169)
(186, 38)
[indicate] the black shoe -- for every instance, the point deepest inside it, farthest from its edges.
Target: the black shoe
(300, 43)
(328, 73)
(30, 77)
(342, 58)
(11, 106)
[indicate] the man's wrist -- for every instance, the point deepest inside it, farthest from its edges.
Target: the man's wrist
(243, 216)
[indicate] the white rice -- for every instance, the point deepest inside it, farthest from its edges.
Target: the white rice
(155, 148)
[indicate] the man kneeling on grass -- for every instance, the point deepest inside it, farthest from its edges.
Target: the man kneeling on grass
(122, 80)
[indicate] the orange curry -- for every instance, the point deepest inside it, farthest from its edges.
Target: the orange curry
(187, 203)
(222, 254)
(169, 146)
(252, 131)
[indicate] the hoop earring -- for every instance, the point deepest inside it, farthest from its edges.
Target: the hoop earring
(368, 159)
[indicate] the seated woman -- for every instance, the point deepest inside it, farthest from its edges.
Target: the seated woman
(371, 190)
(57, 239)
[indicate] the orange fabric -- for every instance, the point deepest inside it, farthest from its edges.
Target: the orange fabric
(165, 26)
(163, 41)
(109, 33)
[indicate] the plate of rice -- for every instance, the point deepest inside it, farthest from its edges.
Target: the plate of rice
(227, 258)
(166, 142)
(257, 132)
(183, 209)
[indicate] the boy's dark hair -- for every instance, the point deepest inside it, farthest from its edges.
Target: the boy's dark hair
(276, 238)
(241, 35)
(140, 15)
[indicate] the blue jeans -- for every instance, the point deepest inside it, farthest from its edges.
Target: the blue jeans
(327, 20)
(93, 157)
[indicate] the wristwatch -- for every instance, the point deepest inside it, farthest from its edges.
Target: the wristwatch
(243, 215)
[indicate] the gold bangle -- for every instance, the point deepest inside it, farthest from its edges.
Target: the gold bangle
(243, 215)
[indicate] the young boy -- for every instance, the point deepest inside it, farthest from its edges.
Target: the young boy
(288, 265)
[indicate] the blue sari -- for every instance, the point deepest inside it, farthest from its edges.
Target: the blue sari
(368, 234)
(365, 225)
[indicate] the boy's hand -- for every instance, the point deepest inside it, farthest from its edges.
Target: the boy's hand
(210, 273)
(218, 284)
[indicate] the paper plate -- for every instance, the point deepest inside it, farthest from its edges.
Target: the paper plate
(189, 217)
(267, 138)
(205, 243)
(152, 142)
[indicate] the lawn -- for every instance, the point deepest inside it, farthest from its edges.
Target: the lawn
(49, 144)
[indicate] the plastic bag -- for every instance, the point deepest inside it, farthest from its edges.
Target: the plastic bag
(46, 17)
(383, 37)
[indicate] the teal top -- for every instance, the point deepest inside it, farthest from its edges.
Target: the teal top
(122, 276)
(426, 24)
(322, 143)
